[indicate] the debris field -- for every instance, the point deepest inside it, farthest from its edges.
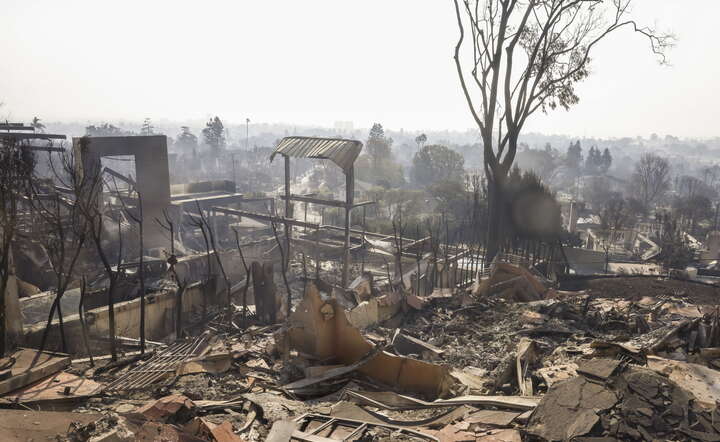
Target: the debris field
(493, 362)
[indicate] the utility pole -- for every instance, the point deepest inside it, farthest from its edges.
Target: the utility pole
(234, 174)
(247, 134)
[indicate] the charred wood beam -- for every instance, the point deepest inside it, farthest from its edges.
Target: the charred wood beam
(45, 148)
(119, 176)
(324, 202)
(31, 136)
(206, 203)
(15, 126)
(266, 218)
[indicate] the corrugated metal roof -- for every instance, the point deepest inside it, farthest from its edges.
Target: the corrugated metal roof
(340, 151)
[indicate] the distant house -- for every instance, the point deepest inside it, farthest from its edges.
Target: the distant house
(611, 183)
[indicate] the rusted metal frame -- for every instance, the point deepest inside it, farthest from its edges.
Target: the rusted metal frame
(332, 420)
(358, 431)
(151, 371)
(158, 365)
(312, 200)
(165, 364)
(324, 202)
(266, 218)
(349, 197)
(379, 236)
(207, 203)
(288, 211)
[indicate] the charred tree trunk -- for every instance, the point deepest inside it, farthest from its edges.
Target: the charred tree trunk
(111, 318)
(179, 310)
(495, 233)
(83, 324)
(264, 290)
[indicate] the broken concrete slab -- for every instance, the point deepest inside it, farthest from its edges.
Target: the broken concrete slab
(632, 404)
(701, 381)
(569, 409)
(496, 418)
(209, 431)
(169, 409)
(54, 390)
(453, 433)
(282, 431)
(157, 431)
(25, 369)
(599, 368)
(556, 373)
(508, 435)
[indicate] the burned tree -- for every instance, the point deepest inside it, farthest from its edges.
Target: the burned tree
(88, 184)
(212, 243)
(209, 277)
(15, 174)
(136, 216)
(63, 235)
(524, 57)
(169, 225)
(651, 179)
(247, 278)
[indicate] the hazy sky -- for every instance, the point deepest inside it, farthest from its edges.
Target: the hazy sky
(321, 61)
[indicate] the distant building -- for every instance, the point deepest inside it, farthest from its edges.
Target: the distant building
(344, 126)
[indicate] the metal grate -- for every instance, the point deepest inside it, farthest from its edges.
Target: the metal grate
(160, 367)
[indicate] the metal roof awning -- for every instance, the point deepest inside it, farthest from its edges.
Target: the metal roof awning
(340, 151)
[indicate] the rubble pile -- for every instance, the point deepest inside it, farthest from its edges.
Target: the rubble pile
(510, 359)
(621, 402)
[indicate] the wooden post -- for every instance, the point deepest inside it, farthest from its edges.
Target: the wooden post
(349, 196)
(265, 292)
(288, 210)
(305, 219)
(317, 254)
(362, 241)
